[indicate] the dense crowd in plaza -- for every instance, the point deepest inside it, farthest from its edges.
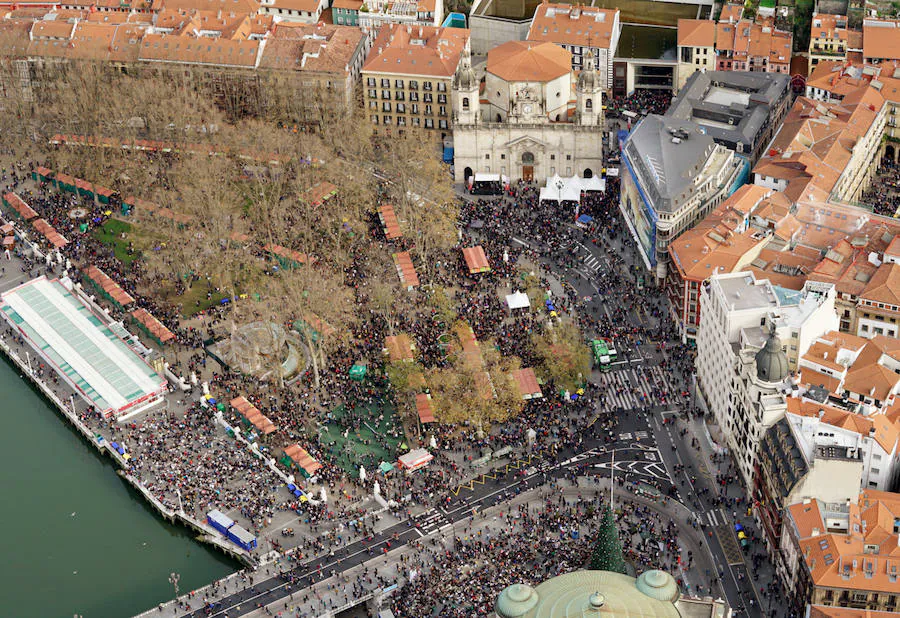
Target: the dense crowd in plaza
(884, 189)
(188, 462)
(530, 544)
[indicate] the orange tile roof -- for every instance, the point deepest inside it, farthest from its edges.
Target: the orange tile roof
(884, 286)
(20, 206)
(523, 61)
(191, 50)
(880, 41)
(731, 13)
(417, 50)
(828, 26)
(696, 33)
(573, 25)
(321, 47)
(806, 517)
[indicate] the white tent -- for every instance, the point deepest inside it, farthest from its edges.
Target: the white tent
(518, 300)
(569, 189)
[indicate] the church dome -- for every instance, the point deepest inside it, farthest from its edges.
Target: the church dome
(658, 585)
(516, 600)
(771, 362)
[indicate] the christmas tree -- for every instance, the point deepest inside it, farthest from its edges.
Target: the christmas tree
(607, 555)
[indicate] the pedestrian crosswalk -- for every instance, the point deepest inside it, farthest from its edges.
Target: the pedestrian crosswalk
(430, 520)
(638, 386)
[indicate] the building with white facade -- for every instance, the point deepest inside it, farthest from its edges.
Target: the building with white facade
(529, 118)
(673, 175)
(748, 344)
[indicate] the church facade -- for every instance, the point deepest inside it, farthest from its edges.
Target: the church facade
(529, 118)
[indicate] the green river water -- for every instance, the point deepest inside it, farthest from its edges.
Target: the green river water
(76, 538)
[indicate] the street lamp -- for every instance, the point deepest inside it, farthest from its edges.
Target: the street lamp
(173, 579)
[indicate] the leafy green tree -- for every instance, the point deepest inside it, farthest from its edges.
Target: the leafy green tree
(607, 554)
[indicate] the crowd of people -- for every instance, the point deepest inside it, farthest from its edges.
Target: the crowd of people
(883, 192)
(531, 543)
(188, 462)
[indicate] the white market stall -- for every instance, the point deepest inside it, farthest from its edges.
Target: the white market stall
(415, 459)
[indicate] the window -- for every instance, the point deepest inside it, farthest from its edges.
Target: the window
(442, 98)
(426, 86)
(373, 94)
(442, 110)
(589, 104)
(568, 157)
(442, 87)
(386, 94)
(370, 81)
(385, 107)
(373, 104)
(401, 108)
(487, 157)
(413, 84)
(428, 110)
(553, 157)
(427, 98)
(398, 83)
(387, 120)
(503, 156)
(413, 96)
(374, 119)
(442, 124)
(465, 103)
(385, 83)
(429, 123)
(415, 108)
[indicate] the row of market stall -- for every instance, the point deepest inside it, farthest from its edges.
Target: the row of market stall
(251, 416)
(103, 285)
(151, 327)
(71, 184)
(27, 214)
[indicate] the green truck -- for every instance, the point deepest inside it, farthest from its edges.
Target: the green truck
(604, 354)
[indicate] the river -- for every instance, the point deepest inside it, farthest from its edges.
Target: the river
(76, 538)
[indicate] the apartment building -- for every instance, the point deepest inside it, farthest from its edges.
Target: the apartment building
(826, 152)
(579, 30)
(696, 48)
(829, 38)
(833, 81)
(749, 342)
(408, 76)
(843, 555)
(252, 58)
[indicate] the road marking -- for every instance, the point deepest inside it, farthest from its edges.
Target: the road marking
(419, 532)
(625, 436)
(642, 435)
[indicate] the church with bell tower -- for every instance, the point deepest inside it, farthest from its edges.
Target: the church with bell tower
(529, 117)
